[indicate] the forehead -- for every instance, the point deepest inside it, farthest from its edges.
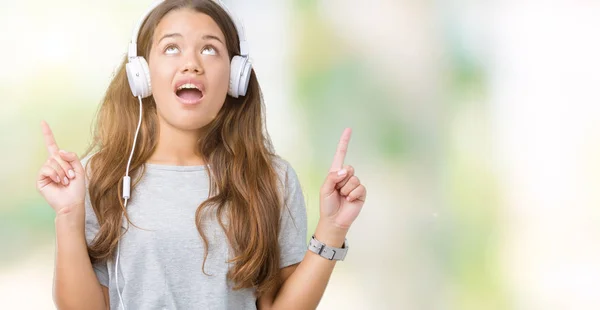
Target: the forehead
(187, 22)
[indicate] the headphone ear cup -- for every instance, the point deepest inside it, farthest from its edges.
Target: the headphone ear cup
(239, 76)
(138, 75)
(245, 78)
(234, 75)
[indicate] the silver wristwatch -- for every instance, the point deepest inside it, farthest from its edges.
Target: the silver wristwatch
(327, 252)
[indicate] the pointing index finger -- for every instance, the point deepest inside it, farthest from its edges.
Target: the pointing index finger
(49, 139)
(340, 153)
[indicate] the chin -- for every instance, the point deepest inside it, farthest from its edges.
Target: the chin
(185, 122)
(191, 126)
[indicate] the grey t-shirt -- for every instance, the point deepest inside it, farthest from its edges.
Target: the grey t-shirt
(160, 262)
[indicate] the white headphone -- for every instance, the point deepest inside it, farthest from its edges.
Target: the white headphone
(138, 72)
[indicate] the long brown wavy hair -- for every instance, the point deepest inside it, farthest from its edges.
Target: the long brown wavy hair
(236, 147)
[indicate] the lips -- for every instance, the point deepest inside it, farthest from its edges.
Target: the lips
(189, 91)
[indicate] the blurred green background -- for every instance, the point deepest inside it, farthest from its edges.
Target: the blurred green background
(476, 128)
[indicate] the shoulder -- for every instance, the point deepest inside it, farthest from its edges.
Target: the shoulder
(285, 172)
(288, 182)
(86, 163)
(86, 159)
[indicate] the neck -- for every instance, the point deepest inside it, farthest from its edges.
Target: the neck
(177, 147)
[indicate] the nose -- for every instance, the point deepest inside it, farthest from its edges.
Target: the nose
(193, 65)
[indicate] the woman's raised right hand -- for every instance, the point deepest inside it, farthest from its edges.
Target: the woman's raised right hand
(61, 180)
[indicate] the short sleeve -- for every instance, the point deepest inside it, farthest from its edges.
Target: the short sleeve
(292, 234)
(91, 230)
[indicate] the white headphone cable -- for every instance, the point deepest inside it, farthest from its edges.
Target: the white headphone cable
(126, 196)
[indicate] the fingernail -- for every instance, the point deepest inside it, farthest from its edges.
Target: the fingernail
(71, 174)
(342, 172)
(63, 151)
(57, 179)
(66, 181)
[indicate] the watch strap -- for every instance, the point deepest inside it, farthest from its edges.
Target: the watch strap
(326, 251)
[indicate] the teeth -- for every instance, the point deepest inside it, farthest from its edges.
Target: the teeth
(187, 86)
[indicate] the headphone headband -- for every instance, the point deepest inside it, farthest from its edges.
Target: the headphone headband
(132, 52)
(238, 26)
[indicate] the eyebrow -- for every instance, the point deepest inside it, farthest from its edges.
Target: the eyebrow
(210, 36)
(169, 35)
(204, 37)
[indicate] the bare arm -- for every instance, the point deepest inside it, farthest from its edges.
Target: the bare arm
(106, 296)
(304, 283)
(75, 283)
(341, 199)
(61, 181)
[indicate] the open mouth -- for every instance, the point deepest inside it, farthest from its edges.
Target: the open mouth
(189, 93)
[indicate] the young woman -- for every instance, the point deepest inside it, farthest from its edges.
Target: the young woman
(208, 216)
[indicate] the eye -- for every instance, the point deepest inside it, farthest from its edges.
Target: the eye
(210, 50)
(171, 49)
